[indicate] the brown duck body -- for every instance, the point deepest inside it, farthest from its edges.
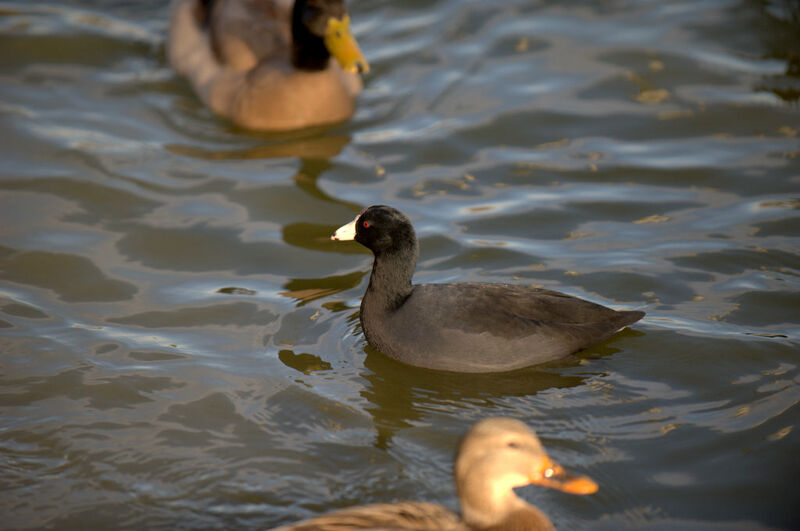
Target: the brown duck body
(495, 456)
(240, 58)
(420, 516)
(416, 516)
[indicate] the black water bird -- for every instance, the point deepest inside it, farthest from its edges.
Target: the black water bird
(465, 327)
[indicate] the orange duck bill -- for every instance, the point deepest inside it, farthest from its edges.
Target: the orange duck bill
(554, 476)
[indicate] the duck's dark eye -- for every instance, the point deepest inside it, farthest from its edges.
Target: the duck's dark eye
(365, 224)
(514, 444)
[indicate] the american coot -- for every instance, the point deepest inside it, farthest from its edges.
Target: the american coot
(495, 456)
(465, 327)
(265, 64)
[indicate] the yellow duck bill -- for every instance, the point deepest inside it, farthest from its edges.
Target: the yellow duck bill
(343, 46)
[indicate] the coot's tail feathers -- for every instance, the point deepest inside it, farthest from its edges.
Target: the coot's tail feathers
(628, 317)
(594, 333)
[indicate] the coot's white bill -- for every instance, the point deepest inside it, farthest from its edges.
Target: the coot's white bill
(346, 233)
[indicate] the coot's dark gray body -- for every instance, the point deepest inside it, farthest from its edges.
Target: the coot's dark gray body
(465, 327)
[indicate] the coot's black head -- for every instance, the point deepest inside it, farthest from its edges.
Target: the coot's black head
(321, 29)
(381, 229)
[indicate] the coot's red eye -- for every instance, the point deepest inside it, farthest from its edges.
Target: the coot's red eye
(365, 224)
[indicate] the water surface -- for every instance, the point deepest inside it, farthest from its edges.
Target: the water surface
(179, 341)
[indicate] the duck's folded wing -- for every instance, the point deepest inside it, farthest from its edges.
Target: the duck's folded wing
(188, 45)
(229, 34)
(244, 33)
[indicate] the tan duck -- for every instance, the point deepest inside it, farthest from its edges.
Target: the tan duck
(266, 64)
(495, 456)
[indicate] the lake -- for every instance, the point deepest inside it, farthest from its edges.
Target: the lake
(179, 338)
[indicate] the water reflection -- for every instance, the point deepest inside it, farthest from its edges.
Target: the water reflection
(305, 290)
(316, 147)
(306, 179)
(779, 21)
(400, 394)
(310, 236)
(304, 362)
(72, 278)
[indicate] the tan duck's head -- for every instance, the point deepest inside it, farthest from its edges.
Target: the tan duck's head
(495, 456)
(321, 29)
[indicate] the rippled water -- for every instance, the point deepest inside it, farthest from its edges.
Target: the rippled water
(179, 339)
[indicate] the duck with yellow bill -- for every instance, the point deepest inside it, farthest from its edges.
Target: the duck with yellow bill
(270, 65)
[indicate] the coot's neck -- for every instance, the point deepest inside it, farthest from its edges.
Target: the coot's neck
(308, 50)
(390, 282)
